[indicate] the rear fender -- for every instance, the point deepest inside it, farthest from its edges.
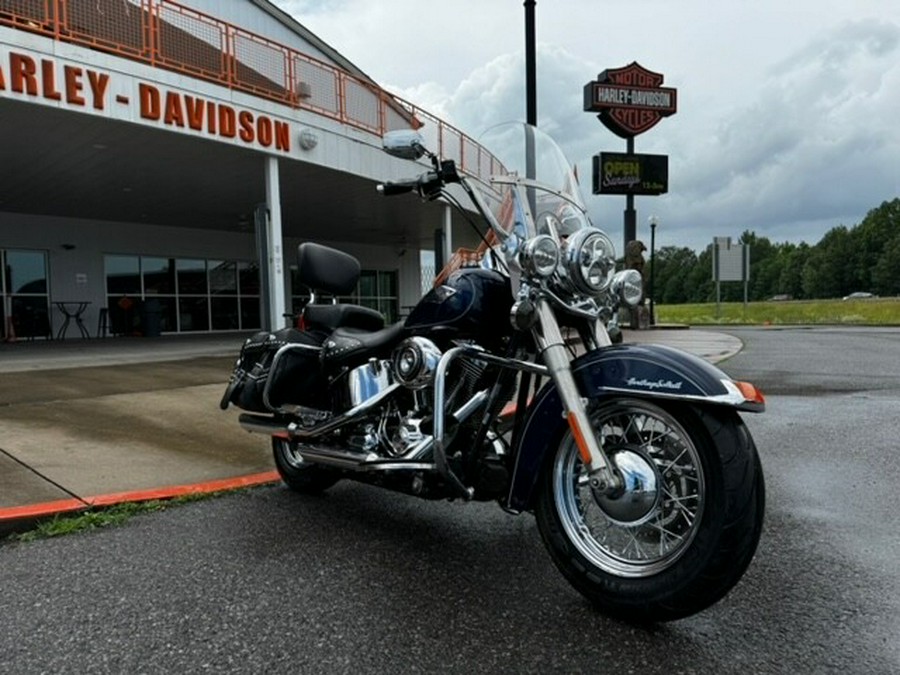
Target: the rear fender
(637, 371)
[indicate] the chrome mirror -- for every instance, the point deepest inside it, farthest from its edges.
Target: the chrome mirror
(405, 144)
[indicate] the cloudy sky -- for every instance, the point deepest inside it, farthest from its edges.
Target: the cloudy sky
(788, 119)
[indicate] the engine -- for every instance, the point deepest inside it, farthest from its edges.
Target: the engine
(401, 426)
(415, 361)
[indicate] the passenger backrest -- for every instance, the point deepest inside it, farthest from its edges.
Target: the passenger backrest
(326, 269)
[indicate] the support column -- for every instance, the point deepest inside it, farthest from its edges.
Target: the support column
(274, 252)
(448, 233)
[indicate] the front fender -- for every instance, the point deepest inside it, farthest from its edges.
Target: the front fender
(640, 371)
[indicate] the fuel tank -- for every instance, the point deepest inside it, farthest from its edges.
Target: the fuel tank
(473, 303)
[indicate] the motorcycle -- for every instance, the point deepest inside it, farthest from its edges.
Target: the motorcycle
(502, 384)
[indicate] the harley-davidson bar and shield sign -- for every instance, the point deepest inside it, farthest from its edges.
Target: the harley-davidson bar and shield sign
(629, 100)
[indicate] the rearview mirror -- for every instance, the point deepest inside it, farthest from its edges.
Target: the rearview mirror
(404, 143)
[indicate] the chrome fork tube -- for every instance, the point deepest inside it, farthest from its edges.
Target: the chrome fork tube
(556, 357)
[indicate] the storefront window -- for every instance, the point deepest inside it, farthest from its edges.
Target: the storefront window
(191, 277)
(146, 295)
(159, 276)
(377, 289)
(26, 272)
(24, 300)
(123, 275)
(223, 277)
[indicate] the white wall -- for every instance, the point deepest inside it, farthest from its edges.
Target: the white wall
(92, 240)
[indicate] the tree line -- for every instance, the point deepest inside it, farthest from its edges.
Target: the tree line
(865, 257)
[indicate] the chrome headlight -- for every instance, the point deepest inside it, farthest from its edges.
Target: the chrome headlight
(590, 261)
(539, 256)
(628, 287)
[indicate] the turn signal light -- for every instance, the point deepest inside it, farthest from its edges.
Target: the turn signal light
(750, 392)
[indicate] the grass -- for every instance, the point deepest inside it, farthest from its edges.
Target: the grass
(865, 312)
(92, 519)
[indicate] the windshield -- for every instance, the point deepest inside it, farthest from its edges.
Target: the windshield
(539, 181)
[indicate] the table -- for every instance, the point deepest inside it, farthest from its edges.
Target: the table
(72, 309)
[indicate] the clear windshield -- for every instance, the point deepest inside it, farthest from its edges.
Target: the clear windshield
(549, 191)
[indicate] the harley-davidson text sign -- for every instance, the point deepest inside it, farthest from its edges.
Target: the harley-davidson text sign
(629, 100)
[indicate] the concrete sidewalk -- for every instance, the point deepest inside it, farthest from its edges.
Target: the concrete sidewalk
(97, 422)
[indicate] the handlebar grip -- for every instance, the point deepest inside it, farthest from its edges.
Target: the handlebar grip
(388, 189)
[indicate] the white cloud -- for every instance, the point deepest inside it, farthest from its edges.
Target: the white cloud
(786, 121)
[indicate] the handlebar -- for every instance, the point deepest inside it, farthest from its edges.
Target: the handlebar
(429, 184)
(397, 188)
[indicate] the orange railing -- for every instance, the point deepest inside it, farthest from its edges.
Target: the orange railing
(167, 35)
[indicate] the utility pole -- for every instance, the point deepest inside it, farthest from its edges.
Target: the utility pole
(530, 64)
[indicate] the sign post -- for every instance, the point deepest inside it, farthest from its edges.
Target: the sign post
(629, 101)
(731, 262)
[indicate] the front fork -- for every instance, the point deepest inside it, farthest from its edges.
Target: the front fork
(602, 475)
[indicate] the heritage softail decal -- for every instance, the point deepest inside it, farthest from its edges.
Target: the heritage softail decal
(653, 385)
(71, 85)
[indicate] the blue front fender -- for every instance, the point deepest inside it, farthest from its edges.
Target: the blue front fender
(643, 371)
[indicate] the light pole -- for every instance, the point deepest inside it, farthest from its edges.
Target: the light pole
(653, 220)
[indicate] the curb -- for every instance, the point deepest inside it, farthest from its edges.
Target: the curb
(23, 517)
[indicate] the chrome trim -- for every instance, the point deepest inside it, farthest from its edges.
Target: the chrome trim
(293, 346)
(556, 356)
(340, 420)
(368, 380)
(471, 406)
(440, 456)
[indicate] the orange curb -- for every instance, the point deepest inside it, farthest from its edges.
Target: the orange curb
(44, 509)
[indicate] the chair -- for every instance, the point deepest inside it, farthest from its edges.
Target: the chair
(102, 325)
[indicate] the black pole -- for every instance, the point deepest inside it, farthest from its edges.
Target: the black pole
(530, 65)
(652, 271)
(630, 216)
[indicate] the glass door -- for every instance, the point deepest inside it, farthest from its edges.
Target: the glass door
(25, 292)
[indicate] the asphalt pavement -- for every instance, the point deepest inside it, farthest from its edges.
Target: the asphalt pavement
(95, 422)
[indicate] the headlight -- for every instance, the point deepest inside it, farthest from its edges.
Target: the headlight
(628, 287)
(539, 256)
(590, 260)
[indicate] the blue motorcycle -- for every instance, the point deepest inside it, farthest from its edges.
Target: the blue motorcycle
(503, 384)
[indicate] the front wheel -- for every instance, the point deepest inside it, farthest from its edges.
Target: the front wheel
(300, 475)
(683, 530)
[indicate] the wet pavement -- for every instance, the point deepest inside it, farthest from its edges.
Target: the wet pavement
(89, 422)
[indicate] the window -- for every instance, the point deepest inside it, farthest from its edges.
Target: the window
(184, 294)
(24, 291)
(376, 289)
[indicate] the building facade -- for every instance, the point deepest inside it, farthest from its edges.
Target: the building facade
(160, 162)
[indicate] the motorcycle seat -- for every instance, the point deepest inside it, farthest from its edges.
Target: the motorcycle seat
(351, 346)
(330, 317)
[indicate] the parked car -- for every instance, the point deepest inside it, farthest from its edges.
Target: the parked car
(859, 295)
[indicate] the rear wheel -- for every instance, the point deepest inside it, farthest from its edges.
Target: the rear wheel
(298, 474)
(684, 529)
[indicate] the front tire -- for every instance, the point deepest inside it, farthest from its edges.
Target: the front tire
(683, 534)
(300, 475)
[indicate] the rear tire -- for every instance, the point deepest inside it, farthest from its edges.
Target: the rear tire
(668, 551)
(299, 475)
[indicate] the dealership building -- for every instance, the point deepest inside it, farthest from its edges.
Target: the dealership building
(161, 161)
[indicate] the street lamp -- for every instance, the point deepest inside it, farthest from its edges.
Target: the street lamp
(653, 220)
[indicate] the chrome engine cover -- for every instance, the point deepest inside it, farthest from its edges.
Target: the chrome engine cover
(415, 361)
(369, 380)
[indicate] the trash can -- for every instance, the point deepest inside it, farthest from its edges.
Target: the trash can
(151, 318)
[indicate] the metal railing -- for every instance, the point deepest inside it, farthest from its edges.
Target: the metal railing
(171, 36)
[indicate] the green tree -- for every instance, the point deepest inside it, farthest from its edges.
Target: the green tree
(673, 265)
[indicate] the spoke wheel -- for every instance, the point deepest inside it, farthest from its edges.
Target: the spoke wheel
(684, 528)
(642, 531)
